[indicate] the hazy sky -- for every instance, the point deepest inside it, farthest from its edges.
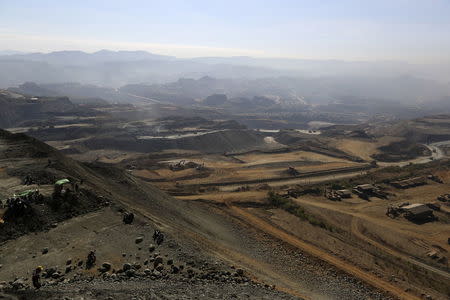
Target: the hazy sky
(408, 30)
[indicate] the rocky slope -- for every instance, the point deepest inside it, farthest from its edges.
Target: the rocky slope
(208, 251)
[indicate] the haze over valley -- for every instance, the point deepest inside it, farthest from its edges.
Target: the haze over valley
(291, 150)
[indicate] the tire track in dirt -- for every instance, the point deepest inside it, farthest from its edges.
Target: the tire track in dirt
(357, 233)
(314, 251)
(356, 217)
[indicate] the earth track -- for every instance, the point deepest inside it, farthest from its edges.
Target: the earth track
(314, 251)
(357, 233)
(275, 179)
(356, 217)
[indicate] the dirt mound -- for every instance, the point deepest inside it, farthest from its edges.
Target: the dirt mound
(46, 214)
(17, 110)
(422, 130)
(214, 142)
(313, 144)
(39, 165)
(400, 151)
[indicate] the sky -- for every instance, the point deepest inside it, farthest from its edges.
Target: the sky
(416, 31)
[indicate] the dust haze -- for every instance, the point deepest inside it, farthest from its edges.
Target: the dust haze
(135, 175)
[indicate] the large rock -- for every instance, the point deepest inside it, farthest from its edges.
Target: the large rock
(49, 272)
(18, 284)
(130, 273)
(126, 267)
(106, 266)
(158, 260)
(147, 272)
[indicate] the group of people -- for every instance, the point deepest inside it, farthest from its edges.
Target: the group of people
(158, 238)
(18, 205)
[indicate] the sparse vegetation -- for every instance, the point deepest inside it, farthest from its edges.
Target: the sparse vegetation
(289, 206)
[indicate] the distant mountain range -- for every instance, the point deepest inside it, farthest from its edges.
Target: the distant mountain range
(117, 68)
(76, 58)
(114, 75)
(113, 68)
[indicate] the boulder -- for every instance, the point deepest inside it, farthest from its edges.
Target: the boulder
(147, 272)
(139, 240)
(126, 267)
(18, 284)
(49, 272)
(158, 260)
(106, 266)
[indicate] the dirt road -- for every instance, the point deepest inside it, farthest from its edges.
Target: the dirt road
(342, 265)
(304, 175)
(356, 232)
(356, 217)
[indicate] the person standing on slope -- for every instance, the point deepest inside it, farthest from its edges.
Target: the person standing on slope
(36, 278)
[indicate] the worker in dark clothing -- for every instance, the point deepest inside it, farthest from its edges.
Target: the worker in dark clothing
(156, 233)
(128, 218)
(91, 258)
(36, 278)
(158, 237)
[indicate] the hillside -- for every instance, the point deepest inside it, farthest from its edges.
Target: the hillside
(16, 110)
(213, 250)
(214, 142)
